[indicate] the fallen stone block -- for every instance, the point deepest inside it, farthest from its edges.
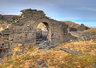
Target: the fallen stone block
(69, 51)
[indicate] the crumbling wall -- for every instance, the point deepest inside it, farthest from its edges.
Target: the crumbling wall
(24, 28)
(4, 39)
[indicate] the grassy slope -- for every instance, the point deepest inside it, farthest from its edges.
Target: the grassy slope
(91, 31)
(71, 24)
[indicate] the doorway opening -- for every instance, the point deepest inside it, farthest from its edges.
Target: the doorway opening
(42, 32)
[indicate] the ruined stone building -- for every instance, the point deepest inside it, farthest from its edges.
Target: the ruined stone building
(24, 29)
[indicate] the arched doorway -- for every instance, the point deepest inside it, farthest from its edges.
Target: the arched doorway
(42, 32)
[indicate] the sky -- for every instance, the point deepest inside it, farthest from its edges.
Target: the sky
(79, 11)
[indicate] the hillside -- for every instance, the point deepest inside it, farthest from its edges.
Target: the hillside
(71, 24)
(91, 31)
(6, 17)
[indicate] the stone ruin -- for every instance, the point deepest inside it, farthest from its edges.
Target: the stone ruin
(24, 29)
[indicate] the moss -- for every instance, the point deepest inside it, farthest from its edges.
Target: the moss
(31, 49)
(82, 61)
(2, 66)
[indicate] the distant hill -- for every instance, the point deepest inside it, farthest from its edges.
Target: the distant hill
(6, 18)
(93, 27)
(71, 24)
(75, 27)
(4, 21)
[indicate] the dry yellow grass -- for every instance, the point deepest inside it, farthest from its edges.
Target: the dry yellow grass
(90, 31)
(85, 47)
(56, 58)
(71, 24)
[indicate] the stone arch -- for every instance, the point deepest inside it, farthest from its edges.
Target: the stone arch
(24, 28)
(43, 31)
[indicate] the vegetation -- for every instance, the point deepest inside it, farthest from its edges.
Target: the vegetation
(71, 24)
(90, 31)
(55, 58)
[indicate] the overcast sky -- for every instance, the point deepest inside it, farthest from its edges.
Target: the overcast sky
(79, 11)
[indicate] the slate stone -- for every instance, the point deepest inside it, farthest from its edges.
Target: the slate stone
(40, 66)
(1, 61)
(69, 51)
(11, 61)
(40, 62)
(46, 66)
(94, 64)
(31, 66)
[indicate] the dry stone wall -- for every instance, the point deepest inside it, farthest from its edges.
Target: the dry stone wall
(23, 28)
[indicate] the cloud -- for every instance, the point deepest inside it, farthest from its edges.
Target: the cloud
(86, 9)
(57, 9)
(66, 18)
(2, 12)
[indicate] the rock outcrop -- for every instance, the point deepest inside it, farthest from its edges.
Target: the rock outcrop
(75, 27)
(82, 27)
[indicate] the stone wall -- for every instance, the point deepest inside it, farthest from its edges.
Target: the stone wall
(4, 39)
(23, 28)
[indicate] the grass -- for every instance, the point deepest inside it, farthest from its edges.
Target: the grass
(56, 58)
(31, 49)
(90, 31)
